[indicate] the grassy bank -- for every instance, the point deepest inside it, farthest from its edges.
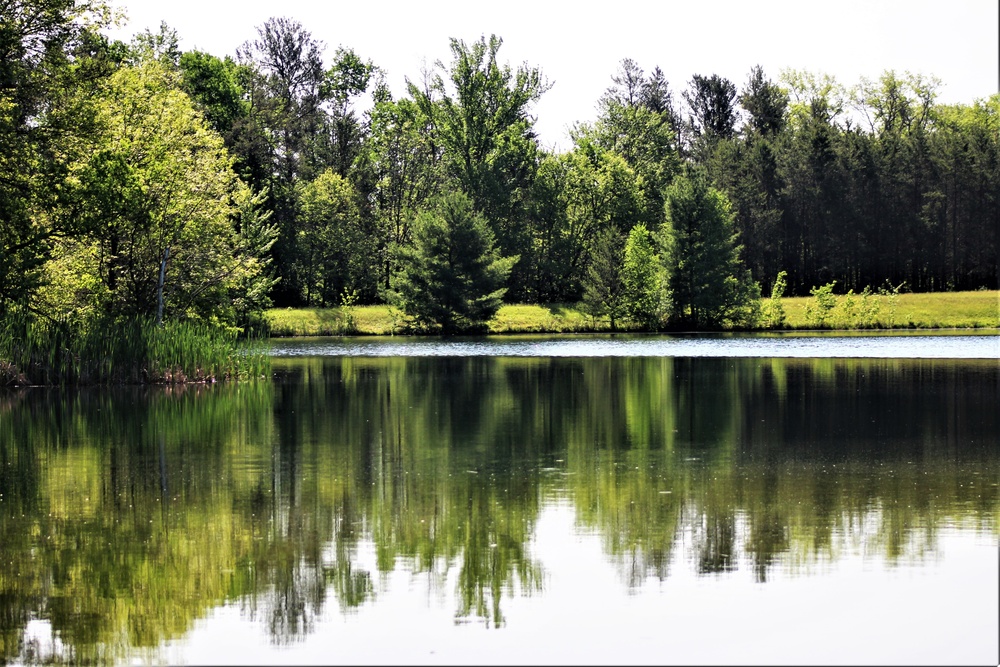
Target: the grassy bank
(35, 352)
(932, 310)
(942, 310)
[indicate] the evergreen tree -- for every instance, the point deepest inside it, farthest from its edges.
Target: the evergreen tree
(636, 120)
(604, 284)
(765, 102)
(452, 276)
(481, 120)
(707, 279)
(712, 101)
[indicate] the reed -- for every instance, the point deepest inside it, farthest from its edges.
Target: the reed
(124, 351)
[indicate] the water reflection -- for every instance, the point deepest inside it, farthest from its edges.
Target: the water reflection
(126, 516)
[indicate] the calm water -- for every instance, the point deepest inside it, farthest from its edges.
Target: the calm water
(575, 505)
(894, 345)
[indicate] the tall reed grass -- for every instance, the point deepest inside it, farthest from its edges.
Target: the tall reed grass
(124, 351)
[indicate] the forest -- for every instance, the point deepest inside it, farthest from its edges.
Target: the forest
(138, 180)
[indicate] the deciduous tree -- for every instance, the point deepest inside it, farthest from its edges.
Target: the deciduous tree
(159, 191)
(51, 58)
(483, 124)
(646, 299)
(333, 255)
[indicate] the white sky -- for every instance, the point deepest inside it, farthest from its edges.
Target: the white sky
(578, 46)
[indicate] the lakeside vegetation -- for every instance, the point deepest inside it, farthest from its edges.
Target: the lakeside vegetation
(130, 351)
(941, 310)
(144, 183)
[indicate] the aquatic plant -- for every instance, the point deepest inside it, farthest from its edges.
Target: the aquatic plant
(35, 351)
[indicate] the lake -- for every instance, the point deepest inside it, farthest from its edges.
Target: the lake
(729, 499)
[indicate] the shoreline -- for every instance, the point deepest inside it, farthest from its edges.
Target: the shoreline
(929, 311)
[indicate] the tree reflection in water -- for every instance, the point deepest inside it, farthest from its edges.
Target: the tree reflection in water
(127, 515)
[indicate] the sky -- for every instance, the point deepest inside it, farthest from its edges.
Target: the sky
(578, 47)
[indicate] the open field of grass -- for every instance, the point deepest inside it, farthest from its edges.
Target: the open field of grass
(932, 310)
(939, 310)
(386, 320)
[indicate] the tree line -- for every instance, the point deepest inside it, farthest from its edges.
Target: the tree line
(141, 179)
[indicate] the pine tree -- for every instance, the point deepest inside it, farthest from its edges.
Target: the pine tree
(604, 286)
(708, 282)
(452, 276)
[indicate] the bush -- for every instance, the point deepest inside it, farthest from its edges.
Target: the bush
(822, 305)
(773, 314)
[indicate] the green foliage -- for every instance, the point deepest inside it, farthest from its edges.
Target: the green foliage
(250, 289)
(333, 252)
(604, 293)
(590, 190)
(452, 276)
(773, 314)
(849, 306)
(646, 301)
(162, 46)
(339, 140)
(52, 60)
(347, 78)
(712, 100)
(935, 310)
(856, 311)
(484, 129)
(153, 181)
(822, 305)
(213, 83)
(747, 169)
(159, 180)
(282, 75)
(112, 160)
(402, 162)
(890, 293)
(766, 103)
(705, 276)
(123, 351)
(868, 308)
(852, 310)
(637, 120)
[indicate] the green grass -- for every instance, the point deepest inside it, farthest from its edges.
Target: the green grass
(979, 309)
(386, 320)
(349, 320)
(552, 318)
(934, 310)
(135, 351)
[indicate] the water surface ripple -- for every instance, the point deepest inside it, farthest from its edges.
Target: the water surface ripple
(841, 345)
